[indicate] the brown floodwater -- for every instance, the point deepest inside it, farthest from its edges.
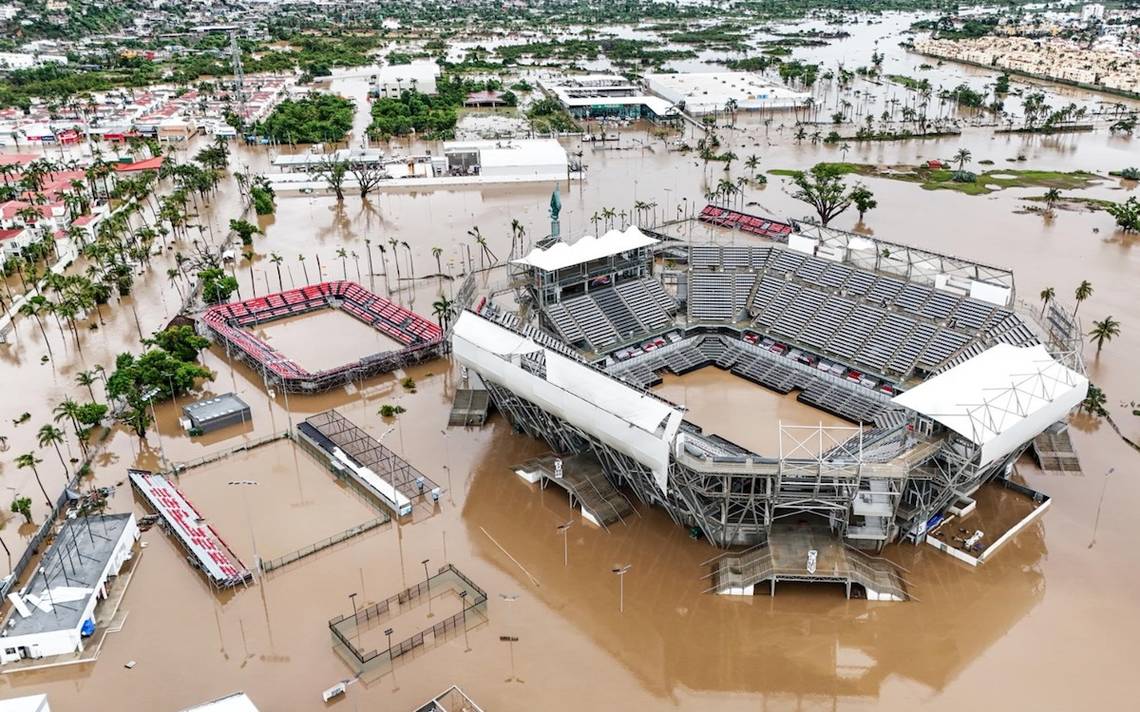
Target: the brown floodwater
(743, 412)
(1050, 622)
(306, 339)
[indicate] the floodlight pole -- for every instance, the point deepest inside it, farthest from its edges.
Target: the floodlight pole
(565, 529)
(248, 520)
(621, 571)
(463, 603)
(1103, 489)
(427, 583)
(388, 632)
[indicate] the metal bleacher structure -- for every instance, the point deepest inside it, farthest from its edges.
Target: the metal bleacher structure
(420, 338)
(817, 313)
(877, 323)
(598, 292)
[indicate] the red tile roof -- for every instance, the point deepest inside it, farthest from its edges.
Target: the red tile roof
(150, 164)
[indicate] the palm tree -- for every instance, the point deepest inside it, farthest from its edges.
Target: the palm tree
(1047, 296)
(248, 255)
(441, 309)
(752, 163)
(1052, 196)
(1084, 291)
(411, 261)
(51, 435)
(301, 259)
(29, 459)
(277, 259)
(70, 410)
(436, 252)
(35, 307)
(1103, 332)
(343, 255)
(962, 157)
(394, 243)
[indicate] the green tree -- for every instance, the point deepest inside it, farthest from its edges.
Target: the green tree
(181, 342)
(863, 199)
(823, 189)
(217, 286)
(23, 505)
(1126, 214)
(244, 230)
(1094, 402)
(1104, 331)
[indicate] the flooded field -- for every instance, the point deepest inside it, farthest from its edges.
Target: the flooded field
(294, 501)
(1049, 623)
(738, 410)
(306, 339)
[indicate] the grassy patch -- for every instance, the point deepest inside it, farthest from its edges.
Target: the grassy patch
(943, 178)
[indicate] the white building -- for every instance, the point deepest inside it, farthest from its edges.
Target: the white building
(710, 92)
(27, 60)
(31, 703)
(392, 79)
(55, 611)
(533, 159)
(597, 95)
(1092, 11)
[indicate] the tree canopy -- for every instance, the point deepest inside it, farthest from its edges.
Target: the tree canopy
(315, 118)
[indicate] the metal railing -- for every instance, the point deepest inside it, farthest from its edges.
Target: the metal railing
(180, 467)
(379, 610)
(323, 544)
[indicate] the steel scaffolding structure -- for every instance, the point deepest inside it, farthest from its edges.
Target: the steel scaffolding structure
(891, 479)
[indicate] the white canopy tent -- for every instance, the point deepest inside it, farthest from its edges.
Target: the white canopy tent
(1001, 398)
(561, 254)
(628, 420)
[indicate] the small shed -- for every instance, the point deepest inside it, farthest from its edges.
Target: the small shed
(212, 414)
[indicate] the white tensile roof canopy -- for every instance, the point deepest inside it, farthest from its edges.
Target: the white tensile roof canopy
(562, 254)
(1001, 398)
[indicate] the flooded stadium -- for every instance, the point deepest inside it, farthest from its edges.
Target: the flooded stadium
(1048, 622)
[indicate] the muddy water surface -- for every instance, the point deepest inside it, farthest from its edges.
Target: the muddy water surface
(1049, 623)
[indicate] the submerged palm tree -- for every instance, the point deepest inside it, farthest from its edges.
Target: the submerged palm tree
(1083, 292)
(51, 435)
(962, 156)
(1103, 332)
(442, 309)
(1047, 296)
(277, 259)
(342, 254)
(29, 460)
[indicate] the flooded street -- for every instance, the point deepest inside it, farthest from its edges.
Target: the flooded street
(1049, 623)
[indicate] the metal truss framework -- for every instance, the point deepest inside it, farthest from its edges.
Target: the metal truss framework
(914, 264)
(735, 500)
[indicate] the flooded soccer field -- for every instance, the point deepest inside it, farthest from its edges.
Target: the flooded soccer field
(1048, 623)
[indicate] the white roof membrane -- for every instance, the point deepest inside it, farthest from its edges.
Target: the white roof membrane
(562, 254)
(1001, 398)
